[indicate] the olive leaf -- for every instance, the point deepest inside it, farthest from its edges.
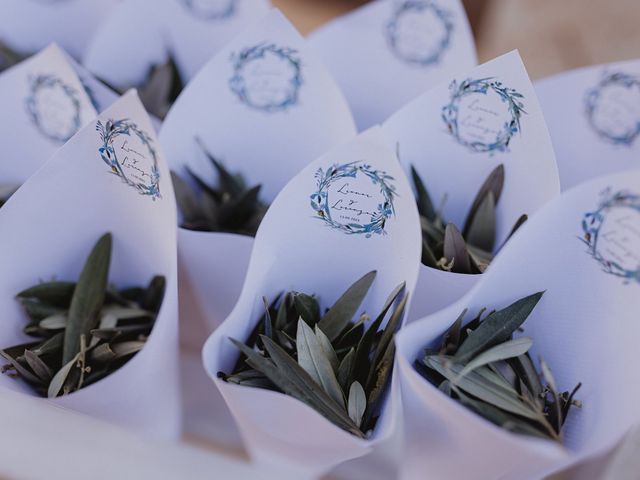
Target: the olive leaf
(161, 88)
(228, 207)
(471, 250)
(101, 326)
(343, 375)
(484, 368)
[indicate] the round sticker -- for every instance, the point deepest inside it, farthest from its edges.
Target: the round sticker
(354, 198)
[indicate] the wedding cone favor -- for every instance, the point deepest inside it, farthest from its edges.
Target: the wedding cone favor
(262, 109)
(565, 290)
(347, 216)
(44, 104)
(27, 26)
(480, 158)
(110, 178)
(600, 105)
(159, 49)
(388, 52)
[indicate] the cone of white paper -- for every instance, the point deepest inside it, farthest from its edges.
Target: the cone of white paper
(138, 35)
(600, 106)
(388, 52)
(43, 105)
(30, 25)
(51, 224)
(455, 135)
(583, 250)
(296, 248)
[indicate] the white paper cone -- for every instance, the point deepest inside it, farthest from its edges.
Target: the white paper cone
(138, 35)
(52, 222)
(455, 136)
(30, 25)
(297, 249)
(593, 115)
(43, 105)
(267, 146)
(585, 328)
(388, 52)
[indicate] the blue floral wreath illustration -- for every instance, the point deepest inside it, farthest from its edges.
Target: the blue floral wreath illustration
(592, 101)
(592, 224)
(42, 82)
(216, 14)
(425, 58)
(385, 210)
(108, 133)
(238, 84)
(482, 86)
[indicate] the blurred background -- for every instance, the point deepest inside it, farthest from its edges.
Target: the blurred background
(551, 35)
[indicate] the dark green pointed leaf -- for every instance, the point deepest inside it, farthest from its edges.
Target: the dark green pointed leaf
(455, 249)
(308, 308)
(482, 228)
(343, 311)
(425, 205)
(497, 328)
(88, 297)
(494, 184)
(57, 294)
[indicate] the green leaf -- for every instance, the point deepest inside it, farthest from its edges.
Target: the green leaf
(357, 403)
(526, 372)
(327, 349)
(20, 370)
(503, 351)
(519, 223)
(293, 380)
(307, 307)
(53, 293)
(493, 184)
(38, 366)
(455, 249)
(497, 328)
(479, 387)
(341, 313)
(428, 256)
(451, 339)
(54, 322)
(88, 297)
(482, 229)
(60, 378)
(425, 205)
(186, 199)
(312, 358)
(344, 370)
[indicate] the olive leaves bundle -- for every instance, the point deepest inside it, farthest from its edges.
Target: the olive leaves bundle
(230, 207)
(482, 366)
(469, 251)
(82, 331)
(161, 88)
(334, 363)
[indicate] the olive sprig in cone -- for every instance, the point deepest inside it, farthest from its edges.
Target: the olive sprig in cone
(82, 331)
(228, 207)
(469, 251)
(333, 362)
(489, 370)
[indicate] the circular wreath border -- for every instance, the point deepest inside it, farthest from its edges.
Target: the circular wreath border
(592, 99)
(592, 223)
(112, 129)
(481, 86)
(444, 16)
(237, 82)
(40, 82)
(320, 200)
